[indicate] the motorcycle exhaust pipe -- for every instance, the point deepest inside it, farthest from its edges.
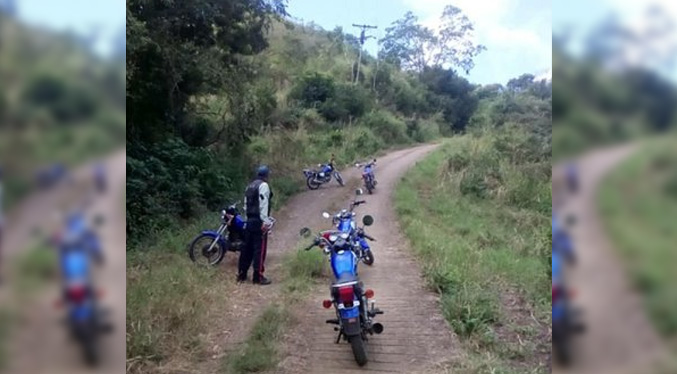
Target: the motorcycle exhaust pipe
(377, 327)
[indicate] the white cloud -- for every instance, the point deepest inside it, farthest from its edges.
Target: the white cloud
(491, 28)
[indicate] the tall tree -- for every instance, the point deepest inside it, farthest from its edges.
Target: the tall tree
(413, 46)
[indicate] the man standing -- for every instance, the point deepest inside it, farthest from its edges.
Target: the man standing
(257, 204)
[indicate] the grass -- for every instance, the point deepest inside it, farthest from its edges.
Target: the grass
(170, 302)
(260, 352)
(4, 337)
(480, 251)
(35, 268)
(638, 202)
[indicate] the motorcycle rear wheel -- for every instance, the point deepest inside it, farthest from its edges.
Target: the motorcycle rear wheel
(312, 183)
(198, 248)
(359, 350)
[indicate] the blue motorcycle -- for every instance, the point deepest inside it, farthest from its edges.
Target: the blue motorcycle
(368, 175)
(316, 178)
(345, 223)
(211, 245)
(565, 318)
(78, 246)
(348, 295)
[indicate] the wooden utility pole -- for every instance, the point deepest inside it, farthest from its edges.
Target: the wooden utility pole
(363, 38)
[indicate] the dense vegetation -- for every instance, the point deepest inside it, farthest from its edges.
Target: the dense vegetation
(477, 212)
(639, 204)
(59, 102)
(244, 85)
(595, 105)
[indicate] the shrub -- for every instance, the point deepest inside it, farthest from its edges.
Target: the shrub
(391, 129)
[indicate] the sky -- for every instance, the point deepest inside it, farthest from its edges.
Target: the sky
(77, 15)
(517, 33)
(580, 16)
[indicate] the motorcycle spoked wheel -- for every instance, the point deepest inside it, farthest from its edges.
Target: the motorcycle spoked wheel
(312, 183)
(339, 179)
(368, 258)
(199, 251)
(359, 348)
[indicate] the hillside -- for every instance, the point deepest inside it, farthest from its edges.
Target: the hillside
(59, 102)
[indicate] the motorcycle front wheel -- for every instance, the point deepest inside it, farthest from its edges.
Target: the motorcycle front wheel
(339, 179)
(200, 254)
(368, 258)
(359, 350)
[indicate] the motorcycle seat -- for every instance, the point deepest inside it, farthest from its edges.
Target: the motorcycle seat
(345, 278)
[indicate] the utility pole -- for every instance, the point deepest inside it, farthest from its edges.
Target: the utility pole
(363, 38)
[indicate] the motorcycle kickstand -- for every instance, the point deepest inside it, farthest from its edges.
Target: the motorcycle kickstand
(338, 339)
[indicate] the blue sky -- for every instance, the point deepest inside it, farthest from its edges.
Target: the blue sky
(582, 15)
(517, 33)
(78, 15)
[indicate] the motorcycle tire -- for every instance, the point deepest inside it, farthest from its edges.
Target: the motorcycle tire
(339, 179)
(359, 350)
(312, 183)
(562, 349)
(90, 349)
(195, 251)
(368, 258)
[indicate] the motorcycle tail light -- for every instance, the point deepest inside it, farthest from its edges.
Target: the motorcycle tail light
(77, 294)
(346, 295)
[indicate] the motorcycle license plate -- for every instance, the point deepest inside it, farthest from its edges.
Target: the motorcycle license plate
(352, 319)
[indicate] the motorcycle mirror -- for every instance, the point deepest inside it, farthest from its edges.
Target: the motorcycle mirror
(325, 215)
(305, 232)
(99, 220)
(571, 220)
(374, 160)
(358, 192)
(368, 220)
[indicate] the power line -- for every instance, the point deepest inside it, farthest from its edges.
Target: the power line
(363, 38)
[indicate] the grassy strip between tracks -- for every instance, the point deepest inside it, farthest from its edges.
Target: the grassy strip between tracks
(260, 351)
(484, 248)
(638, 202)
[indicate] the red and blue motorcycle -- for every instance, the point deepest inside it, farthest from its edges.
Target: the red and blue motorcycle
(348, 295)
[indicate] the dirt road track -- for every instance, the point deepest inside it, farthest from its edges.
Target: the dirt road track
(620, 338)
(416, 334)
(41, 344)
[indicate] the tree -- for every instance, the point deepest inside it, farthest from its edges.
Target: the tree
(415, 47)
(521, 83)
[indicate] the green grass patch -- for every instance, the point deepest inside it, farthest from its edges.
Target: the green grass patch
(170, 305)
(260, 351)
(35, 268)
(303, 269)
(638, 202)
(477, 241)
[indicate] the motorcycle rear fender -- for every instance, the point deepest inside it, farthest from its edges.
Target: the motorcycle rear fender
(308, 172)
(351, 326)
(213, 234)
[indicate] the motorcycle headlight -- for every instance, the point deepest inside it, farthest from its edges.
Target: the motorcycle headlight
(332, 238)
(344, 235)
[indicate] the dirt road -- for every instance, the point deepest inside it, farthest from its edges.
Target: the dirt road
(620, 338)
(416, 335)
(40, 343)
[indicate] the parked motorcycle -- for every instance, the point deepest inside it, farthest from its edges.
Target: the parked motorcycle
(86, 320)
(348, 296)
(316, 178)
(566, 321)
(368, 175)
(211, 246)
(345, 222)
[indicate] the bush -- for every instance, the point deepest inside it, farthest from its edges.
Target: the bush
(313, 89)
(391, 129)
